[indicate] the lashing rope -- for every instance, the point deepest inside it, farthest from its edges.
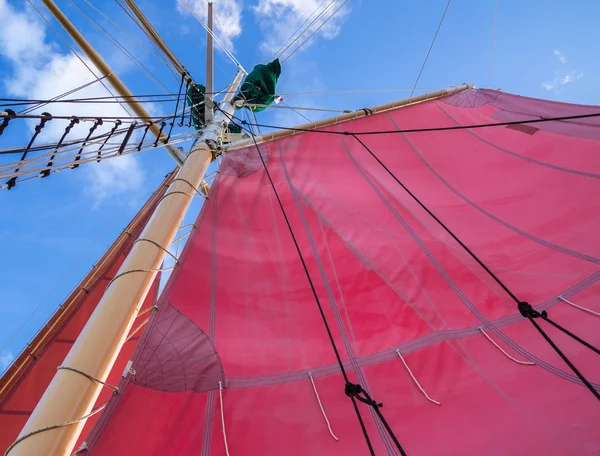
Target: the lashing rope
(415, 379)
(66, 423)
(92, 378)
(321, 406)
(579, 307)
(159, 246)
(529, 363)
(223, 418)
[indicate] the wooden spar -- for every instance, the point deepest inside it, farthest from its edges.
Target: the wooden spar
(349, 116)
(110, 76)
(66, 309)
(154, 36)
(210, 55)
(71, 395)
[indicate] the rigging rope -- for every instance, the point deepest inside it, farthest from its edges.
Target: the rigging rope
(116, 24)
(279, 52)
(493, 41)
(312, 34)
(216, 38)
(430, 47)
(124, 106)
(327, 8)
(119, 46)
(57, 99)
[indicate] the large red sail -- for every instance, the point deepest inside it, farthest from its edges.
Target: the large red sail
(24, 383)
(404, 301)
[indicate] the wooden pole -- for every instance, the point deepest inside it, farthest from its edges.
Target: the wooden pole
(110, 76)
(210, 55)
(71, 395)
(153, 34)
(349, 116)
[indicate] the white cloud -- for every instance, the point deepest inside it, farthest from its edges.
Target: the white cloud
(569, 78)
(561, 77)
(41, 71)
(562, 58)
(228, 17)
(5, 360)
(560, 80)
(280, 18)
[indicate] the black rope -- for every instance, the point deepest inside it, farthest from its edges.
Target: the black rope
(187, 90)
(110, 133)
(139, 146)
(46, 172)
(350, 388)
(96, 124)
(166, 140)
(6, 120)
(46, 117)
(162, 126)
(132, 127)
(431, 129)
(525, 308)
(530, 313)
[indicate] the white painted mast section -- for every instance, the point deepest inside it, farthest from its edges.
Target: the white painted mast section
(70, 396)
(210, 57)
(106, 71)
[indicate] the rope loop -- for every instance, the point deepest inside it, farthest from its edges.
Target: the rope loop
(92, 378)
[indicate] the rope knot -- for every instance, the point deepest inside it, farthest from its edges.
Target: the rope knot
(528, 311)
(355, 390)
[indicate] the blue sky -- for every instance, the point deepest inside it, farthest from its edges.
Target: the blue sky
(543, 48)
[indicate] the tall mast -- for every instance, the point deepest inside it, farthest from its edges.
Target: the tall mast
(110, 76)
(210, 55)
(71, 395)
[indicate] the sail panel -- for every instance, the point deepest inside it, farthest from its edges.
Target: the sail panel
(391, 281)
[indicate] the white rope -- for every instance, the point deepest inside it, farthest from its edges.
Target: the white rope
(321, 406)
(312, 34)
(337, 92)
(528, 363)
(415, 380)
(579, 307)
(325, 10)
(295, 108)
(279, 52)
(223, 418)
(430, 47)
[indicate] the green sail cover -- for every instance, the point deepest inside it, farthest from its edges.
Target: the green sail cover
(195, 100)
(259, 86)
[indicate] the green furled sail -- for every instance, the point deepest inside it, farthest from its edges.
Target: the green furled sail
(259, 86)
(195, 100)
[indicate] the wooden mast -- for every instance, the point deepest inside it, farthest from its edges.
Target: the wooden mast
(71, 395)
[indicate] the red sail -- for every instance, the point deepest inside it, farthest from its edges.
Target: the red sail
(239, 311)
(24, 383)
